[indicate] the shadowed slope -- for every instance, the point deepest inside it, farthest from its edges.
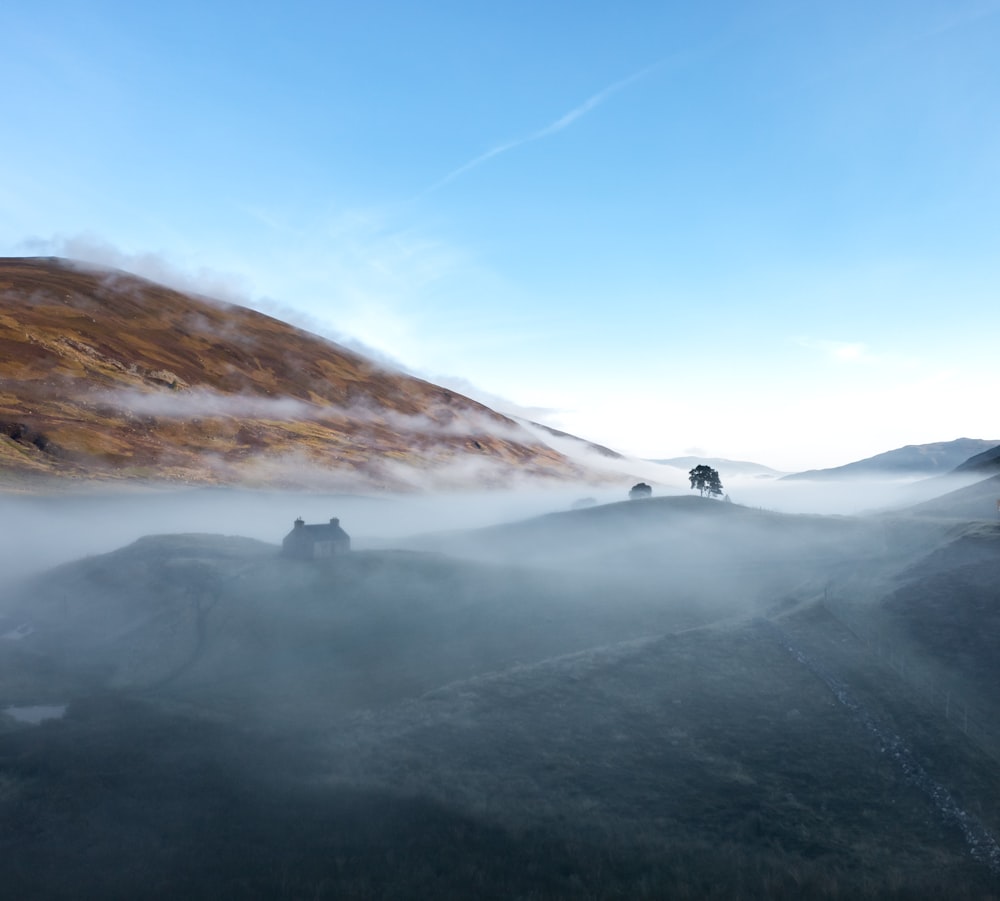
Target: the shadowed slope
(973, 502)
(987, 462)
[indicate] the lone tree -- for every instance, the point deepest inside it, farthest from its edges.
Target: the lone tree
(640, 490)
(706, 480)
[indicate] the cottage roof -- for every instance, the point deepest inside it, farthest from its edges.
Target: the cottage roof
(326, 531)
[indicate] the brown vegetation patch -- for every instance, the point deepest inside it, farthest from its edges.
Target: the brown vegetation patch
(145, 373)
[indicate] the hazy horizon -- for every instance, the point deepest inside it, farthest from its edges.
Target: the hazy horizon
(98, 518)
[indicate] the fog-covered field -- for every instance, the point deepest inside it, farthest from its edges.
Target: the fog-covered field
(497, 695)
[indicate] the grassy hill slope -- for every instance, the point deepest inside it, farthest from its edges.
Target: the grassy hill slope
(709, 764)
(408, 724)
(107, 375)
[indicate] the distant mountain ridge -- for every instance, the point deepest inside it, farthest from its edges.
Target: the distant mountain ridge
(725, 467)
(913, 460)
(105, 375)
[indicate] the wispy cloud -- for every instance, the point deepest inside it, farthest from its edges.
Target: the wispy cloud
(91, 248)
(552, 128)
(355, 279)
(841, 351)
(491, 399)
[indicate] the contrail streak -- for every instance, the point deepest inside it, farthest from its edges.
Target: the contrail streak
(558, 125)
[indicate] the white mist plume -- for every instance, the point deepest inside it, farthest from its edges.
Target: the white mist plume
(205, 282)
(197, 403)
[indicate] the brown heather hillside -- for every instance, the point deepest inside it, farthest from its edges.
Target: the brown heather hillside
(104, 375)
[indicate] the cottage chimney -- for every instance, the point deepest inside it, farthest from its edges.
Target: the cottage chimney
(299, 523)
(334, 521)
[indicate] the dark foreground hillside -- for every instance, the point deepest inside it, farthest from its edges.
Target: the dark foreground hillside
(711, 764)
(647, 700)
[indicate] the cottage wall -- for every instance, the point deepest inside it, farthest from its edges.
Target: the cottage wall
(316, 542)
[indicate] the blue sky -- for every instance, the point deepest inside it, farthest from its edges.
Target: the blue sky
(768, 231)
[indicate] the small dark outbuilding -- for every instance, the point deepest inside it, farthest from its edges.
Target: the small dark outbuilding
(316, 542)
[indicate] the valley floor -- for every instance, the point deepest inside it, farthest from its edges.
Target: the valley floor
(712, 763)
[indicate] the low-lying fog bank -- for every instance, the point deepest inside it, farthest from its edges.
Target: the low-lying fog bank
(527, 695)
(42, 531)
(196, 611)
(844, 497)
(198, 608)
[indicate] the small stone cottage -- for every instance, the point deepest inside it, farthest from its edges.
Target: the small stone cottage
(315, 542)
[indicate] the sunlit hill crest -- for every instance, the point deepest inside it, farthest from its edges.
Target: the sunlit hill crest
(107, 375)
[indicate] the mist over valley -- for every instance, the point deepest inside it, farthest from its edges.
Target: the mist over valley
(674, 694)
(278, 620)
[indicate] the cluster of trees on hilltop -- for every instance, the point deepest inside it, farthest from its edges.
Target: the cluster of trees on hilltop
(702, 477)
